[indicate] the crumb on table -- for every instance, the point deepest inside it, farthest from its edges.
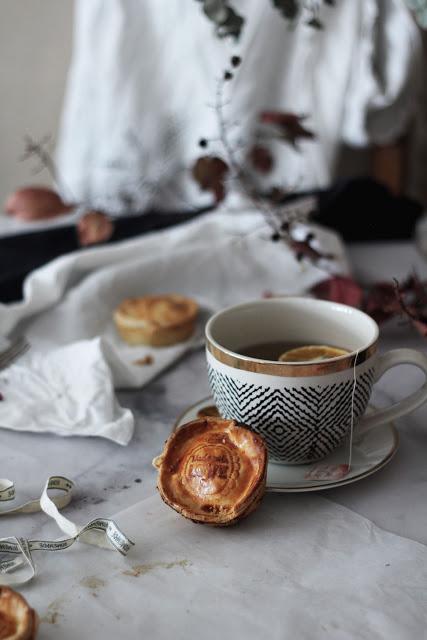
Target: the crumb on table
(142, 362)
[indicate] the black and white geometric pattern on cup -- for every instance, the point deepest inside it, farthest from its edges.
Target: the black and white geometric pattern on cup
(298, 425)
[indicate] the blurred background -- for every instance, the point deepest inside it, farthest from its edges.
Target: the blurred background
(36, 50)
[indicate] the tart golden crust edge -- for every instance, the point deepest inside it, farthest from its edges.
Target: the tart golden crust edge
(156, 320)
(17, 620)
(245, 476)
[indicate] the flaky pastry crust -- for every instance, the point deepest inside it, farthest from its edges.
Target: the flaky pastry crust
(213, 471)
(17, 620)
(156, 320)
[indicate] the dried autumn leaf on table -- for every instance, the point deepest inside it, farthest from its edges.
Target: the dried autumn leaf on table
(289, 125)
(416, 286)
(93, 228)
(381, 302)
(261, 158)
(339, 289)
(421, 326)
(210, 172)
(411, 298)
(35, 203)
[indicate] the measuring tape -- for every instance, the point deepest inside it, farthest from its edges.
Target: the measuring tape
(101, 532)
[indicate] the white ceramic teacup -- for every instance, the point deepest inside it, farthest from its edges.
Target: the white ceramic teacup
(303, 410)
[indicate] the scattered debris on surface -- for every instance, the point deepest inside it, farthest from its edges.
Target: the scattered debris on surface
(142, 362)
(142, 569)
(53, 612)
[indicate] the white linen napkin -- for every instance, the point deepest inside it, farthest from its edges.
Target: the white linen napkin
(68, 391)
(299, 567)
(219, 260)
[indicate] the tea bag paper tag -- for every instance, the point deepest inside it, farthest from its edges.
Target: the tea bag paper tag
(101, 532)
(336, 472)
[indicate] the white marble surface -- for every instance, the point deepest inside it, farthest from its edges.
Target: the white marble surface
(111, 478)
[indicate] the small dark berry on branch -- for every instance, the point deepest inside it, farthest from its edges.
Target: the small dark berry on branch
(285, 226)
(203, 143)
(300, 256)
(228, 75)
(235, 61)
(275, 237)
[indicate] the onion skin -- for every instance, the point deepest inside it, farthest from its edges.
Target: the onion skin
(35, 203)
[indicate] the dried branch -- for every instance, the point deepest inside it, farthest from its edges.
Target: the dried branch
(211, 172)
(38, 149)
(382, 300)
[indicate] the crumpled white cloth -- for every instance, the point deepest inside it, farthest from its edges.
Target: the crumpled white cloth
(299, 567)
(219, 260)
(155, 67)
(68, 391)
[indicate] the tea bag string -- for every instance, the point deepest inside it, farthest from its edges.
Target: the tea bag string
(353, 393)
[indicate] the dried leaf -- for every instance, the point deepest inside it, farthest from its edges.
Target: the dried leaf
(94, 227)
(227, 21)
(277, 195)
(35, 203)
(288, 8)
(303, 249)
(417, 287)
(411, 298)
(421, 326)
(339, 289)
(261, 158)
(289, 125)
(314, 23)
(210, 172)
(381, 302)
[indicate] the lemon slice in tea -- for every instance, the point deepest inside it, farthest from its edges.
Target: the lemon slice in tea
(312, 353)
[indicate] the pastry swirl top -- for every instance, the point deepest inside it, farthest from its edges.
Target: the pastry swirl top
(157, 311)
(211, 470)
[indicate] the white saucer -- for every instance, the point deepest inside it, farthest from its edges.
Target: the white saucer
(371, 452)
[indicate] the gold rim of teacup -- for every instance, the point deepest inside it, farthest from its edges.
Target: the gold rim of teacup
(290, 369)
(294, 369)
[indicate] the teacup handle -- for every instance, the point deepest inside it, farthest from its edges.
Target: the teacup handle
(412, 402)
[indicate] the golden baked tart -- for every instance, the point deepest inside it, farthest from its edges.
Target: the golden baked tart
(213, 471)
(156, 320)
(17, 620)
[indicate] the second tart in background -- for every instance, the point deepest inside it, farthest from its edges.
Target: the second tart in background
(156, 320)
